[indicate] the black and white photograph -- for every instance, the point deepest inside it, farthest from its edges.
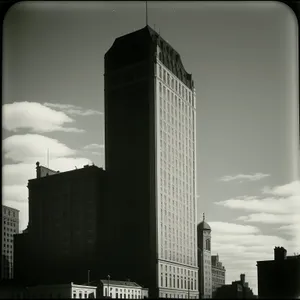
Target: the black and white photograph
(150, 149)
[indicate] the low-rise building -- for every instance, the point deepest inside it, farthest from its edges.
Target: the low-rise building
(217, 272)
(65, 291)
(236, 290)
(121, 289)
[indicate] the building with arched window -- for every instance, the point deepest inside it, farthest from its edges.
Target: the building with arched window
(204, 259)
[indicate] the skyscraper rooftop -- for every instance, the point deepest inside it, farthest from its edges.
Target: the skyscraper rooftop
(133, 42)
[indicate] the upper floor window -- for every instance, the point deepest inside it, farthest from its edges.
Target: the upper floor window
(207, 246)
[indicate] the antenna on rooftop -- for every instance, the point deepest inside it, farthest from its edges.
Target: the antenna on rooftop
(146, 13)
(48, 158)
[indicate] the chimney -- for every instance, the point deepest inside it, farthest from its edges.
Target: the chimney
(242, 276)
(38, 170)
(279, 253)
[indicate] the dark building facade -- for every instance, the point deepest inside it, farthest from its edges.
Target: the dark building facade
(236, 290)
(217, 273)
(67, 227)
(279, 278)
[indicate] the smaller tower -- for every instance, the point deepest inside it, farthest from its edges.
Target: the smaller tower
(204, 259)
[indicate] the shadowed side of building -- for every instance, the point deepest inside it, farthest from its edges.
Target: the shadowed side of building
(67, 228)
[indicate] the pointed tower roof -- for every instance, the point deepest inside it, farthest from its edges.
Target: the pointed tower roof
(203, 225)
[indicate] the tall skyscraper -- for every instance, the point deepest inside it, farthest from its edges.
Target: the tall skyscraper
(204, 259)
(150, 140)
(10, 227)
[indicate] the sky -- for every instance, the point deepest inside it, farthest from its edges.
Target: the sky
(243, 58)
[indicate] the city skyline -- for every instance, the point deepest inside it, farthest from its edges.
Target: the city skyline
(56, 70)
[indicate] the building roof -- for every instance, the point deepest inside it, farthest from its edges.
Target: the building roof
(203, 225)
(168, 55)
(9, 208)
(88, 169)
(121, 283)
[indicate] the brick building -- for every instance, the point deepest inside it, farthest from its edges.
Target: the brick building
(217, 273)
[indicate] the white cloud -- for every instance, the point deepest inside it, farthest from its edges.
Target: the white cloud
(93, 147)
(35, 117)
(284, 199)
(97, 153)
(277, 205)
(73, 109)
(244, 177)
(270, 218)
(290, 189)
(16, 176)
(268, 205)
(33, 147)
(291, 229)
(15, 193)
(240, 247)
(225, 227)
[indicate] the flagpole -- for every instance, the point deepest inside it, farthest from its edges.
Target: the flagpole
(146, 13)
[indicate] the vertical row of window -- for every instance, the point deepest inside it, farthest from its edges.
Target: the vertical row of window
(181, 296)
(175, 84)
(77, 294)
(177, 171)
(123, 293)
(207, 272)
(178, 278)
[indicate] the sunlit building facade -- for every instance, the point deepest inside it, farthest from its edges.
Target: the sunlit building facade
(10, 227)
(176, 174)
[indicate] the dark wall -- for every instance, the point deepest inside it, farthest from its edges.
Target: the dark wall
(279, 279)
(129, 142)
(66, 226)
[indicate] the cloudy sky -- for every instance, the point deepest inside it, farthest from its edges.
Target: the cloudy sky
(243, 60)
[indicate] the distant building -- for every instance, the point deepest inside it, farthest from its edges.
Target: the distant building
(218, 273)
(204, 259)
(236, 290)
(68, 226)
(64, 291)
(10, 227)
(51, 291)
(279, 278)
(121, 289)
